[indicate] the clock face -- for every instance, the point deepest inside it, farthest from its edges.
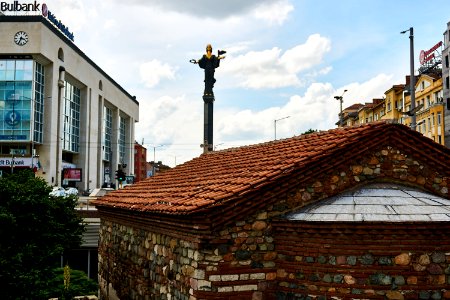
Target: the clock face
(21, 38)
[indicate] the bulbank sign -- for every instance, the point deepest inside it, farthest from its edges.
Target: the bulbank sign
(35, 7)
(16, 6)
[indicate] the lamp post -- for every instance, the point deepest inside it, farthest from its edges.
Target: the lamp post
(275, 125)
(412, 79)
(341, 117)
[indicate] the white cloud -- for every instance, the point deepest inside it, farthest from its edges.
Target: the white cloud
(273, 12)
(223, 9)
(366, 91)
(153, 71)
(273, 69)
(307, 55)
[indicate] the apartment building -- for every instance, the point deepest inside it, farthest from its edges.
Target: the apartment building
(446, 83)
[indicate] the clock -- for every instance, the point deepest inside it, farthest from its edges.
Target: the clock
(21, 38)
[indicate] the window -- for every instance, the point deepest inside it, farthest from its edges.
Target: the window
(389, 106)
(61, 54)
(38, 103)
(429, 124)
(71, 118)
(447, 83)
(446, 61)
(439, 119)
(107, 130)
(122, 136)
(16, 99)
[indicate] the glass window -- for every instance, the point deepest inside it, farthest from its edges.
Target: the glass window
(107, 130)
(122, 139)
(16, 91)
(71, 118)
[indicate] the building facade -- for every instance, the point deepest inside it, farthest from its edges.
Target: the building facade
(446, 83)
(430, 117)
(61, 114)
(140, 162)
(429, 97)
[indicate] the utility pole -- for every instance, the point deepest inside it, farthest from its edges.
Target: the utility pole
(412, 79)
(341, 117)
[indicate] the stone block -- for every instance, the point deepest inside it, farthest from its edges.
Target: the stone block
(402, 259)
(225, 289)
(394, 295)
(438, 257)
(262, 216)
(232, 277)
(257, 276)
(244, 276)
(199, 274)
(246, 287)
(259, 225)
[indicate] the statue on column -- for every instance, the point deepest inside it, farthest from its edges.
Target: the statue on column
(209, 62)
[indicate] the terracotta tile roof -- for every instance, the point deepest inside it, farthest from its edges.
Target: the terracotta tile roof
(355, 106)
(219, 177)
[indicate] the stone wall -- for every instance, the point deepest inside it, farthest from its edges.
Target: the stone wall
(139, 264)
(260, 256)
(365, 260)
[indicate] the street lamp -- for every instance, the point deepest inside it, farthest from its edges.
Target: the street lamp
(412, 79)
(341, 117)
(275, 125)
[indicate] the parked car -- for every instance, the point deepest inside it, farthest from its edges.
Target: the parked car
(61, 192)
(58, 192)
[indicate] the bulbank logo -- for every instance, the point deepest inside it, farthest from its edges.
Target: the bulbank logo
(16, 6)
(44, 10)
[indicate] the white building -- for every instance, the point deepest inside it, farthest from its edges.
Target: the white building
(57, 104)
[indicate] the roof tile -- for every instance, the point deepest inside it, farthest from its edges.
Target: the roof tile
(219, 176)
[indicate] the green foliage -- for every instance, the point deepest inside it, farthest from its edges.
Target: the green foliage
(310, 131)
(79, 284)
(35, 229)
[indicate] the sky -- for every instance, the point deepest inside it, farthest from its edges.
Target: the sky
(285, 61)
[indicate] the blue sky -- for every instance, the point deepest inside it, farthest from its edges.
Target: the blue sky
(284, 58)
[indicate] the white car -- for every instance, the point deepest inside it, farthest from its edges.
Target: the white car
(71, 191)
(61, 192)
(58, 192)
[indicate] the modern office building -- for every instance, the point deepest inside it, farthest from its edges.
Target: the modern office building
(60, 113)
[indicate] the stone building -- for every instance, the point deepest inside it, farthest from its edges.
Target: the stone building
(357, 212)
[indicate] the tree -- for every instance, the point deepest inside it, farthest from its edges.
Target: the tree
(310, 131)
(35, 229)
(77, 285)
